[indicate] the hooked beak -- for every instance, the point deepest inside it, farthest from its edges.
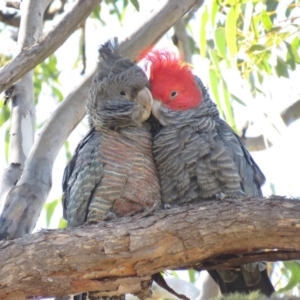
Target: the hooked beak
(159, 112)
(155, 108)
(144, 98)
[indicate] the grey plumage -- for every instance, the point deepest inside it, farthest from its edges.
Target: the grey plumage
(199, 156)
(112, 172)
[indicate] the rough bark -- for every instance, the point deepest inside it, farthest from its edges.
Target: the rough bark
(181, 40)
(25, 201)
(115, 257)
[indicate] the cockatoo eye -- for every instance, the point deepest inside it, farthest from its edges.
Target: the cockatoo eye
(122, 93)
(173, 95)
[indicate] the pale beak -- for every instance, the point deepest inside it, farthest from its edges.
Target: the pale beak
(155, 108)
(145, 99)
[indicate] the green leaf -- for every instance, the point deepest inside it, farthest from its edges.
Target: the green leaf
(254, 24)
(281, 68)
(293, 48)
(213, 12)
(294, 269)
(96, 13)
(192, 275)
(58, 93)
(228, 108)
(193, 45)
(295, 44)
(123, 13)
(257, 47)
(4, 112)
(174, 273)
(220, 41)
(276, 28)
(230, 31)
(116, 11)
(52, 62)
(203, 23)
(67, 148)
(214, 81)
(271, 7)
(125, 3)
(266, 20)
(265, 65)
(215, 60)
(290, 60)
(238, 100)
(260, 80)
(50, 207)
(62, 223)
(136, 4)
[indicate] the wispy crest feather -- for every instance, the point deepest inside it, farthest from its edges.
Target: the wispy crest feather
(167, 60)
(110, 60)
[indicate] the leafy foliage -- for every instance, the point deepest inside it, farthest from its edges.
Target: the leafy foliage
(291, 271)
(50, 207)
(47, 74)
(251, 38)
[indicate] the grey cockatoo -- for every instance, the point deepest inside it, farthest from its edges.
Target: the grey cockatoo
(198, 155)
(112, 172)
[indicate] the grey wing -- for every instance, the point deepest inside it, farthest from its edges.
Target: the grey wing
(251, 176)
(175, 153)
(82, 175)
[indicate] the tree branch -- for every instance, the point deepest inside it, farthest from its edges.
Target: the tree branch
(115, 257)
(25, 201)
(32, 56)
(10, 19)
(181, 37)
(181, 40)
(192, 12)
(13, 4)
(13, 19)
(289, 115)
(22, 98)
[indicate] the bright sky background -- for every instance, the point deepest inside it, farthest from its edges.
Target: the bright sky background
(280, 163)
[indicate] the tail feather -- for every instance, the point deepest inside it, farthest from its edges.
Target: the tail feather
(264, 286)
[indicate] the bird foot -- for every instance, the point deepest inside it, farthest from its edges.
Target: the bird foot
(221, 196)
(110, 216)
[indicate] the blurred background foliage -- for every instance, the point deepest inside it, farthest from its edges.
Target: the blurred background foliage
(246, 48)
